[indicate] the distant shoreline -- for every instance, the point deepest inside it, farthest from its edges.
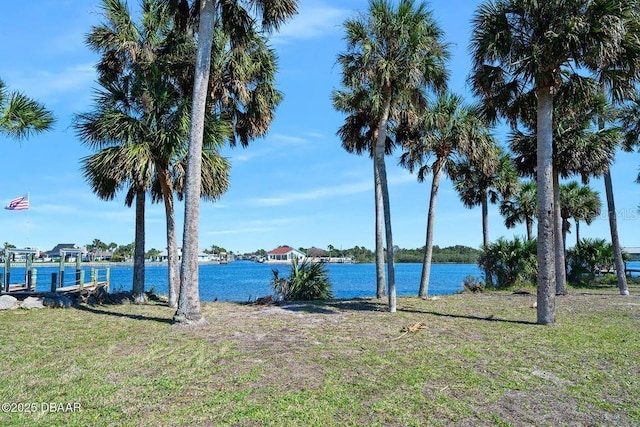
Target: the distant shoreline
(103, 264)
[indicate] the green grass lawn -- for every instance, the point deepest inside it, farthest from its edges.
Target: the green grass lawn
(481, 360)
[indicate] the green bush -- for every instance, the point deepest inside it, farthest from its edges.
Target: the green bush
(588, 258)
(510, 262)
(307, 281)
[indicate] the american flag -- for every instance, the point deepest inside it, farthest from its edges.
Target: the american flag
(18, 204)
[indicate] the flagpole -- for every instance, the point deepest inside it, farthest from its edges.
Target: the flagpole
(28, 217)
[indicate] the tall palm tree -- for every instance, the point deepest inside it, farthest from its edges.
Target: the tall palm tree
(580, 203)
(132, 112)
(521, 207)
(449, 131)
(142, 108)
(618, 78)
(21, 116)
(484, 182)
(578, 149)
(520, 46)
(248, 99)
(395, 53)
(359, 135)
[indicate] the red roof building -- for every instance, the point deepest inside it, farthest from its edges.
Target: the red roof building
(284, 254)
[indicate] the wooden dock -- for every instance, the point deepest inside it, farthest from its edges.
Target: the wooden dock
(21, 291)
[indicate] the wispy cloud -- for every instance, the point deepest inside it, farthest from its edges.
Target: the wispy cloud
(315, 19)
(259, 226)
(273, 143)
(326, 192)
(242, 230)
(43, 84)
(319, 193)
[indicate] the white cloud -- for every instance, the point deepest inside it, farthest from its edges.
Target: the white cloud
(241, 230)
(42, 84)
(288, 139)
(273, 143)
(314, 20)
(325, 192)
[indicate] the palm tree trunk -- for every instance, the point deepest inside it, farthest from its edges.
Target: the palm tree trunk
(380, 277)
(529, 222)
(431, 217)
(172, 242)
(578, 232)
(137, 290)
(485, 219)
(546, 242)
(188, 311)
(382, 173)
(615, 240)
(561, 272)
(485, 236)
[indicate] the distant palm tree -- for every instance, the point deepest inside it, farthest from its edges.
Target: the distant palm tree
(522, 46)
(580, 203)
(394, 54)
(227, 33)
(486, 181)
(521, 207)
(449, 131)
(21, 116)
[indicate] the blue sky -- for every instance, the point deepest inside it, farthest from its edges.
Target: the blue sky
(296, 186)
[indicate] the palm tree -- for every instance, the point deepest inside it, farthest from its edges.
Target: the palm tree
(577, 148)
(479, 184)
(393, 54)
(359, 135)
(484, 183)
(618, 77)
(142, 111)
(248, 99)
(129, 111)
(521, 207)
(114, 168)
(629, 116)
(449, 131)
(21, 116)
(521, 46)
(580, 203)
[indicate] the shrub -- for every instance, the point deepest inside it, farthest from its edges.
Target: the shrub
(510, 262)
(307, 281)
(588, 258)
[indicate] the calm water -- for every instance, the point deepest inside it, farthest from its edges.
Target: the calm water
(244, 280)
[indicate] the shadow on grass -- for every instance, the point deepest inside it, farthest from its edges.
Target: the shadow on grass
(94, 310)
(469, 317)
(334, 306)
(324, 306)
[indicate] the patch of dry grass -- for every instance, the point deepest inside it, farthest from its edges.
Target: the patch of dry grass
(481, 360)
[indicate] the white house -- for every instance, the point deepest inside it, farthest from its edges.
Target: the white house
(284, 254)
